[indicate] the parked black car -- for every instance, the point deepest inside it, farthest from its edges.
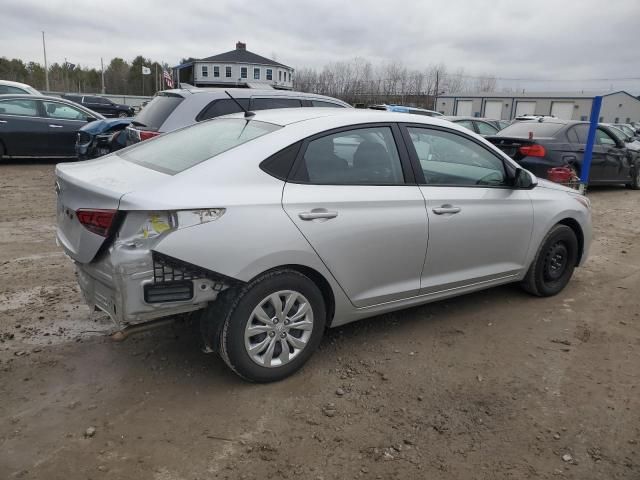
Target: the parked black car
(100, 137)
(40, 126)
(102, 105)
(550, 148)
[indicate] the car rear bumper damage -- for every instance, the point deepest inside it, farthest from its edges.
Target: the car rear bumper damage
(138, 286)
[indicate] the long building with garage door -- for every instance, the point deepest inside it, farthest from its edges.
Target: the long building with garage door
(617, 107)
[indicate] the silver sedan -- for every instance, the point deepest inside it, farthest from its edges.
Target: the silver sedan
(271, 228)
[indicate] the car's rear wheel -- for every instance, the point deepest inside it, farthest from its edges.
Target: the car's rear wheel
(272, 326)
(553, 264)
(635, 177)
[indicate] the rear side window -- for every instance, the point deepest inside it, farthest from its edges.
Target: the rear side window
(19, 106)
(157, 111)
(224, 106)
(279, 165)
(365, 156)
(320, 103)
(177, 151)
(8, 89)
(468, 124)
(539, 129)
(578, 134)
(269, 103)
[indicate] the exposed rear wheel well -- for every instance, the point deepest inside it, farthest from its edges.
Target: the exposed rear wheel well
(323, 285)
(575, 226)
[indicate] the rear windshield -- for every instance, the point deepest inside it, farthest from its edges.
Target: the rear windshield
(177, 151)
(539, 129)
(157, 111)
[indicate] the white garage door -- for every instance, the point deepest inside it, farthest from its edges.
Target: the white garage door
(563, 110)
(464, 108)
(493, 109)
(525, 108)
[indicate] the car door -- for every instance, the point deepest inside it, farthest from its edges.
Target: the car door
(613, 155)
(352, 195)
(64, 122)
(577, 136)
(479, 226)
(23, 128)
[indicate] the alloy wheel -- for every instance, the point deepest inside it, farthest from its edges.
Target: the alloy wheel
(279, 328)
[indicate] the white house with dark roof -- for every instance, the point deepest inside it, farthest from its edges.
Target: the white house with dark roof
(236, 68)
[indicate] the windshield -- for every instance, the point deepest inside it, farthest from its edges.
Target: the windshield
(177, 151)
(538, 129)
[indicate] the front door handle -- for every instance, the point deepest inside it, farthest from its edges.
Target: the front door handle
(444, 209)
(316, 214)
(3, 121)
(55, 126)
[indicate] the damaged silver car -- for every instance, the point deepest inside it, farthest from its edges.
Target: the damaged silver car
(276, 225)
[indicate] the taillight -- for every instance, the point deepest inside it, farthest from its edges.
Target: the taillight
(532, 150)
(96, 221)
(560, 174)
(146, 134)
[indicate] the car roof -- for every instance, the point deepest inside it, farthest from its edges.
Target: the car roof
(11, 83)
(247, 92)
(287, 116)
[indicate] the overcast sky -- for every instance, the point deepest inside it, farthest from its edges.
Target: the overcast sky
(542, 39)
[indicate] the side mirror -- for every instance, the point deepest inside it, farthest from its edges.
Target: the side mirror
(525, 179)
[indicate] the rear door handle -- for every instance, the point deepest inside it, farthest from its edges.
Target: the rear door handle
(55, 126)
(3, 121)
(444, 209)
(315, 214)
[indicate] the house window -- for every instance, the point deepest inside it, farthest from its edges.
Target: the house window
(601, 119)
(216, 72)
(243, 72)
(628, 120)
(583, 118)
(289, 76)
(205, 71)
(617, 120)
(256, 74)
(269, 74)
(227, 72)
(280, 75)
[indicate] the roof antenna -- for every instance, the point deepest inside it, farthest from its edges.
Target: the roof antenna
(247, 113)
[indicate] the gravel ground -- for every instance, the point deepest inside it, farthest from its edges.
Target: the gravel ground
(494, 385)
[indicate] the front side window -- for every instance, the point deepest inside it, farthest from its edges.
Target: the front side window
(365, 156)
(243, 72)
(4, 89)
(450, 159)
(227, 72)
(177, 151)
(63, 112)
(216, 72)
(18, 106)
(269, 74)
(205, 71)
(603, 138)
(486, 129)
(256, 74)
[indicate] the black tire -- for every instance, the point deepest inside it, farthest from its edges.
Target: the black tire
(635, 181)
(553, 264)
(123, 115)
(236, 311)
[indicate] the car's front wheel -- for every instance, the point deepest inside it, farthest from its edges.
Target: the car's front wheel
(553, 264)
(123, 114)
(272, 326)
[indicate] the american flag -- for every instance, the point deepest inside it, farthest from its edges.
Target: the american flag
(167, 78)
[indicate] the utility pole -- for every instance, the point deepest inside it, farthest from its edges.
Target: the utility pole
(46, 68)
(102, 68)
(435, 99)
(156, 77)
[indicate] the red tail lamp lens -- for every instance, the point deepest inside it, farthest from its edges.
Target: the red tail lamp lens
(533, 151)
(96, 221)
(146, 135)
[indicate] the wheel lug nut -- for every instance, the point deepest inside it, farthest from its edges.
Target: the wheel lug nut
(275, 320)
(283, 335)
(286, 322)
(272, 334)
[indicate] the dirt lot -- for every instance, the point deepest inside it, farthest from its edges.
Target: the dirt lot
(489, 386)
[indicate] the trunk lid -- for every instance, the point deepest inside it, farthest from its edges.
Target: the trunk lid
(95, 184)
